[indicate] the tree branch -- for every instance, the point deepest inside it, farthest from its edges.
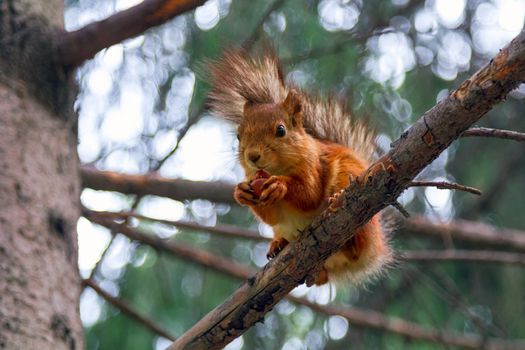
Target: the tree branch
(201, 257)
(376, 320)
(502, 134)
(415, 149)
(484, 256)
(128, 310)
(467, 231)
(355, 316)
(443, 185)
(80, 45)
(229, 231)
(102, 256)
(177, 189)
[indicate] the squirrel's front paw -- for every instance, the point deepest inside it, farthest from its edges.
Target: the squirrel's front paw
(244, 195)
(274, 189)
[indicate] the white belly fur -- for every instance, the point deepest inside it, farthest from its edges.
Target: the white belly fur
(291, 224)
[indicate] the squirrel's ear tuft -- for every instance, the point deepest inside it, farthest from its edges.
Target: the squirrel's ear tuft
(247, 106)
(293, 106)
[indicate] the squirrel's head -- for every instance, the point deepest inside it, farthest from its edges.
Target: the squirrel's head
(271, 136)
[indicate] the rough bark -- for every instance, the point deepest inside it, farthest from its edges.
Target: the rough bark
(386, 179)
(39, 191)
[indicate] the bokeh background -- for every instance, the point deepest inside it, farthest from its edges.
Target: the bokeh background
(142, 109)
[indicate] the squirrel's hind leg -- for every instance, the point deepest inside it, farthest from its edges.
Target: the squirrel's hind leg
(276, 246)
(320, 279)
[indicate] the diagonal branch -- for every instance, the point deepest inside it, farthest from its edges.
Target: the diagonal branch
(78, 46)
(355, 316)
(415, 149)
(498, 133)
(128, 310)
(201, 257)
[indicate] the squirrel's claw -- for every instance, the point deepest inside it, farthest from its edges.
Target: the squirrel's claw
(273, 190)
(332, 203)
(243, 194)
(333, 198)
(275, 247)
(385, 165)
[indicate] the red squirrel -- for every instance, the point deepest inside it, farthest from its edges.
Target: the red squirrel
(297, 152)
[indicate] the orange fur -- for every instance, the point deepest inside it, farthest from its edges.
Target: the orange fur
(308, 171)
(306, 166)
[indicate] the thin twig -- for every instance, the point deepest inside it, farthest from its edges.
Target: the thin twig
(444, 185)
(102, 256)
(193, 118)
(224, 230)
(498, 133)
(452, 255)
(401, 209)
(78, 46)
(186, 252)
(128, 310)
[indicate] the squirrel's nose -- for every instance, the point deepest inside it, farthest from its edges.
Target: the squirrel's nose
(254, 157)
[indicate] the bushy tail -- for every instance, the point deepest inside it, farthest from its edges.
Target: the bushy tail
(238, 78)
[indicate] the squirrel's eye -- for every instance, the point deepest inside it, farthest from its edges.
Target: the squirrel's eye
(281, 131)
(238, 137)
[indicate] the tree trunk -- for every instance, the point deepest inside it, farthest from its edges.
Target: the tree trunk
(39, 193)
